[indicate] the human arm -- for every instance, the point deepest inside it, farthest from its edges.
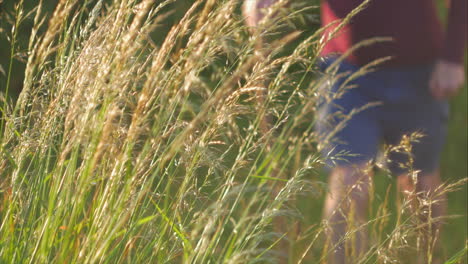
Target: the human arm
(449, 72)
(252, 10)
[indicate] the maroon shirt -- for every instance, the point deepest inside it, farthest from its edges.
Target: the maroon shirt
(417, 34)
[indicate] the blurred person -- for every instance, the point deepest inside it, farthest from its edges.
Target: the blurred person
(425, 69)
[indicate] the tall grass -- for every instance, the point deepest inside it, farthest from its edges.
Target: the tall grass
(123, 150)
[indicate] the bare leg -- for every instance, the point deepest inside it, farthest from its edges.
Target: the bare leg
(427, 189)
(345, 209)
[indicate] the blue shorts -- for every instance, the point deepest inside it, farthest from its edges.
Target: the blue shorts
(402, 105)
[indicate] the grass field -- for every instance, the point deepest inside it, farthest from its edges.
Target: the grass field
(139, 136)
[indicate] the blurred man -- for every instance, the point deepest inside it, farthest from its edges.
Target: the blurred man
(426, 68)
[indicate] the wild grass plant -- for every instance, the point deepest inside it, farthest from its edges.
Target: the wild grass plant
(125, 150)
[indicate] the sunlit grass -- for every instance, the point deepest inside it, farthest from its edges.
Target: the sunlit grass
(124, 150)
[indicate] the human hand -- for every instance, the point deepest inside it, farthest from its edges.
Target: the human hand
(446, 79)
